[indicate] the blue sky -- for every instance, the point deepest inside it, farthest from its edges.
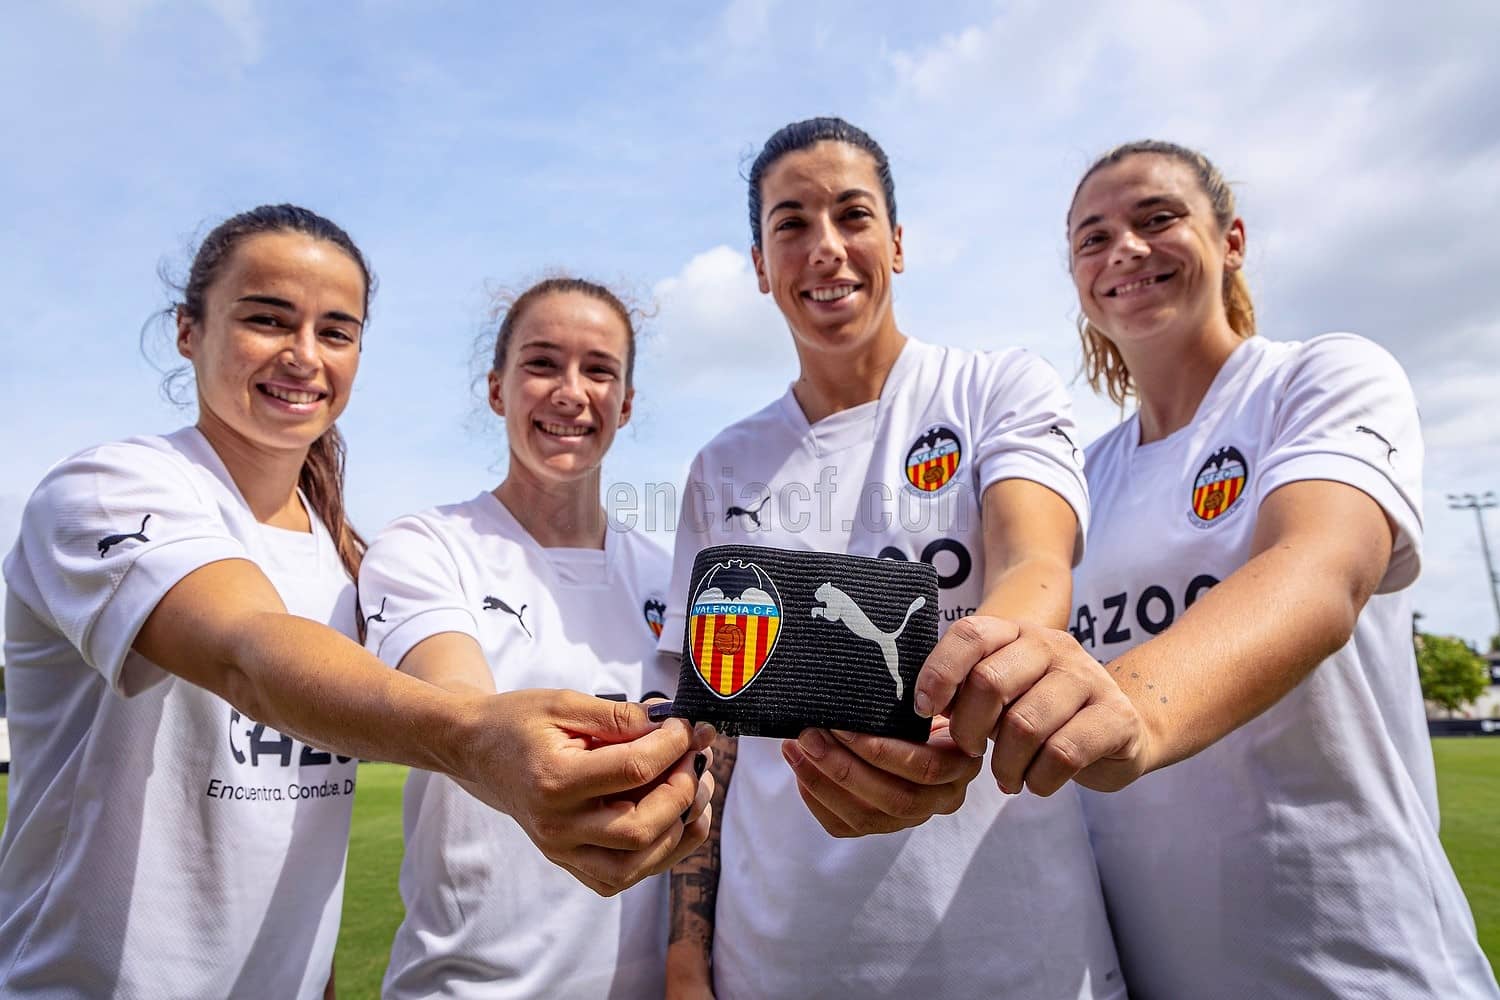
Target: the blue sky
(474, 146)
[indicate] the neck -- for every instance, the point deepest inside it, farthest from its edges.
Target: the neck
(830, 383)
(1171, 383)
(266, 479)
(557, 515)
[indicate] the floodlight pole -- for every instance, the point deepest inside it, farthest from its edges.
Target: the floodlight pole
(1468, 501)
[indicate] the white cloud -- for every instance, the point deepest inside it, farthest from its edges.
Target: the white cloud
(123, 17)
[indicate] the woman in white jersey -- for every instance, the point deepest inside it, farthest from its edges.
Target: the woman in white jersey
(792, 910)
(525, 586)
(186, 703)
(1256, 525)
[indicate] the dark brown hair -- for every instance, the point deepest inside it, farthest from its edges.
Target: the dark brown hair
(804, 135)
(1103, 365)
(322, 476)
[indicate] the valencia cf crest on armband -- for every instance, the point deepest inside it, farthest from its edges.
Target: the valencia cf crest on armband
(655, 612)
(933, 459)
(734, 619)
(1219, 486)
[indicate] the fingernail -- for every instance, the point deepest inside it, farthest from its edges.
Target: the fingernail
(700, 761)
(842, 736)
(814, 743)
(659, 711)
(791, 752)
(923, 705)
(685, 815)
(704, 731)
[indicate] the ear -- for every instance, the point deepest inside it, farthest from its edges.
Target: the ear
(759, 260)
(898, 262)
(1234, 244)
(496, 402)
(627, 407)
(184, 334)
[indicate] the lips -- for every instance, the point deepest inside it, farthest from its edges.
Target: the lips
(831, 293)
(567, 431)
(292, 395)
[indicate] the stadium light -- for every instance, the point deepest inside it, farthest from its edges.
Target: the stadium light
(1468, 501)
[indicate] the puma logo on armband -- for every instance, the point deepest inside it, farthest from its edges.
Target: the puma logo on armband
(840, 607)
(110, 541)
(495, 604)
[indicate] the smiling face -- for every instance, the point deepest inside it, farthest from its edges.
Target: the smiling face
(276, 348)
(563, 389)
(1147, 254)
(828, 250)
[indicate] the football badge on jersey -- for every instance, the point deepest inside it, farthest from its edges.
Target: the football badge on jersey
(1219, 485)
(933, 459)
(655, 612)
(734, 619)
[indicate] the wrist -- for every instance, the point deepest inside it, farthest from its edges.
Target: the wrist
(688, 963)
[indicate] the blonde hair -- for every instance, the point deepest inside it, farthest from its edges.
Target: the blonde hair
(1103, 365)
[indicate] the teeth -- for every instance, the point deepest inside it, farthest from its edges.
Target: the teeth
(831, 294)
(565, 430)
(1132, 286)
(291, 395)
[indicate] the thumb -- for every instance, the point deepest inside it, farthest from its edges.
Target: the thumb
(601, 719)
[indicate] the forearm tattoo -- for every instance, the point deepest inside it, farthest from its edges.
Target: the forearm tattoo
(695, 879)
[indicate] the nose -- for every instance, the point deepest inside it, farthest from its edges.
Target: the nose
(1130, 246)
(828, 248)
(569, 390)
(302, 350)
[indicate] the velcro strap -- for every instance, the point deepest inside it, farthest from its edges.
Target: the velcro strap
(779, 640)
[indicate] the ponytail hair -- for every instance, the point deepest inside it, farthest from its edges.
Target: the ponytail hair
(1103, 365)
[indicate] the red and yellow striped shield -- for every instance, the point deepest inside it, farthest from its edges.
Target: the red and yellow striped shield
(1220, 483)
(933, 459)
(732, 626)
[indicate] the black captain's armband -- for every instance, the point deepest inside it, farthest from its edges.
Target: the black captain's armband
(1153, 608)
(777, 641)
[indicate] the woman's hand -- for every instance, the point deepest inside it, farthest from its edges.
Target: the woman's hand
(856, 784)
(1054, 712)
(603, 792)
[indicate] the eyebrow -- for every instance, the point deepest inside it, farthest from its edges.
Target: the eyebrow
(275, 303)
(843, 197)
(547, 345)
(1148, 202)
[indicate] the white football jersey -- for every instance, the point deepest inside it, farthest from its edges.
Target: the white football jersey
(1299, 855)
(999, 899)
(159, 843)
(487, 915)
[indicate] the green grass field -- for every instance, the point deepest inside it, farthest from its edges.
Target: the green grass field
(1468, 789)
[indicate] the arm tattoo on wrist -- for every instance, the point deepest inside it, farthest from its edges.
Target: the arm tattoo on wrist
(695, 879)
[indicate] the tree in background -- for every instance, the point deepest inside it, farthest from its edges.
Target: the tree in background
(1452, 674)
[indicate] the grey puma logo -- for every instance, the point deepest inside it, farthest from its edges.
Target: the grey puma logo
(495, 604)
(110, 541)
(1390, 449)
(753, 513)
(840, 607)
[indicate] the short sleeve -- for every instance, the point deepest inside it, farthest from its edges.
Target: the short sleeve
(691, 537)
(104, 537)
(1026, 431)
(410, 590)
(1346, 414)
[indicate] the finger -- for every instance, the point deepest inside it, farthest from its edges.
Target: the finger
(995, 682)
(886, 792)
(700, 802)
(967, 642)
(619, 767)
(826, 819)
(1091, 748)
(624, 824)
(833, 778)
(622, 869)
(933, 763)
(1030, 722)
(593, 883)
(599, 718)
